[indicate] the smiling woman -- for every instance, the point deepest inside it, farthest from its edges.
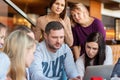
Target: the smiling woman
(57, 13)
(84, 24)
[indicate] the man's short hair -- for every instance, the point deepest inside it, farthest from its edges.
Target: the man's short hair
(53, 25)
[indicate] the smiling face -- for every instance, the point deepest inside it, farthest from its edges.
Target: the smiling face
(58, 6)
(79, 13)
(78, 16)
(91, 49)
(54, 39)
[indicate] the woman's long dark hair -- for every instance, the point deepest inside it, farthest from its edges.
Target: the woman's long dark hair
(100, 57)
(62, 15)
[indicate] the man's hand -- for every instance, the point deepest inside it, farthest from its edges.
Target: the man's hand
(77, 78)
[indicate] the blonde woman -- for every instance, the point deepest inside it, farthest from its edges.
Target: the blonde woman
(57, 13)
(20, 48)
(84, 25)
(26, 30)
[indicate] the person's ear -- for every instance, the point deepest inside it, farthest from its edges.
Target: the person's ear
(45, 35)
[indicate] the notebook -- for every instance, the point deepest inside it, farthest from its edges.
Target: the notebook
(103, 71)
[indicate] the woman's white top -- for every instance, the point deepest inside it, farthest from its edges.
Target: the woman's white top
(81, 61)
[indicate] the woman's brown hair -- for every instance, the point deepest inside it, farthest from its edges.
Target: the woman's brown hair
(62, 15)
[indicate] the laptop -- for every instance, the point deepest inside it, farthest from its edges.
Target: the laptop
(103, 71)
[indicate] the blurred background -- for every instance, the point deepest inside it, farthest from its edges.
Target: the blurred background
(25, 12)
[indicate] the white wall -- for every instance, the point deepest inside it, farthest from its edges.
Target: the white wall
(113, 13)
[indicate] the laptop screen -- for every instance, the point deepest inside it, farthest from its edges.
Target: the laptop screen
(103, 71)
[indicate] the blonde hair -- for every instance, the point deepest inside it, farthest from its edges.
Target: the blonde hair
(15, 47)
(79, 6)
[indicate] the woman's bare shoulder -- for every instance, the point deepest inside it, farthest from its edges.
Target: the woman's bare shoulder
(41, 18)
(41, 22)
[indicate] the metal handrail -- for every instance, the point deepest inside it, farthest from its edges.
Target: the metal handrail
(22, 13)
